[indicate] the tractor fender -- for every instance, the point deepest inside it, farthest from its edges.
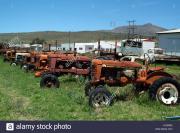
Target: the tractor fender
(152, 77)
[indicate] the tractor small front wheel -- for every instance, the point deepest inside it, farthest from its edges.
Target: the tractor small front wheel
(100, 97)
(49, 81)
(13, 64)
(24, 67)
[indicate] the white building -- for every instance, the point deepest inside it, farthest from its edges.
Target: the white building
(55, 47)
(62, 47)
(148, 44)
(25, 46)
(67, 47)
(37, 47)
(85, 47)
(108, 45)
(170, 41)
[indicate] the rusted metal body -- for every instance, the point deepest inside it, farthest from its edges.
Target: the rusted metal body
(59, 64)
(121, 73)
(160, 85)
(68, 63)
(9, 55)
(3, 51)
(37, 61)
(4, 48)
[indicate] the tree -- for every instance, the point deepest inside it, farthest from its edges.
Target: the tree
(38, 41)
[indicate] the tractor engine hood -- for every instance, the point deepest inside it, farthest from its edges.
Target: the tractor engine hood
(118, 64)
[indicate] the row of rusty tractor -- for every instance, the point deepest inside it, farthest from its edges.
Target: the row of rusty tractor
(47, 64)
(160, 85)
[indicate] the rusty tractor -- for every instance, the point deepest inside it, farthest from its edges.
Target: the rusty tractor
(35, 61)
(19, 58)
(161, 86)
(60, 64)
(9, 55)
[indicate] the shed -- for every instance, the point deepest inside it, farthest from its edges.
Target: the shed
(170, 41)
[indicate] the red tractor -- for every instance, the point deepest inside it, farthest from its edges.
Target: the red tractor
(161, 85)
(60, 64)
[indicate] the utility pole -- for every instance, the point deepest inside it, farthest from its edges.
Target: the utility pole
(131, 29)
(99, 47)
(56, 45)
(69, 39)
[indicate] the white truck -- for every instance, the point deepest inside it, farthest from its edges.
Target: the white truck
(151, 55)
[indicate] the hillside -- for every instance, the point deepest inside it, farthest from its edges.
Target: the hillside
(82, 36)
(146, 29)
(51, 36)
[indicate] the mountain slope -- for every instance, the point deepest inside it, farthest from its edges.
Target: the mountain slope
(146, 29)
(81, 36)
(51, 36)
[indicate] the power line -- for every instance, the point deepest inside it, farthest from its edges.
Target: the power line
(131, 29)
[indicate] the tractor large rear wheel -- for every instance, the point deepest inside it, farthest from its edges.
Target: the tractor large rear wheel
(49, 81)
(166, 90)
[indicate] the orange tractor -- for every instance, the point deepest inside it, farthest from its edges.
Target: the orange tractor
(35, 61)
(9, 55)
(60, 64)
(161, 85)
(3, 48)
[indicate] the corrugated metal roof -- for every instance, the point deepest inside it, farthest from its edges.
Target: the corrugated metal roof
(169, 31)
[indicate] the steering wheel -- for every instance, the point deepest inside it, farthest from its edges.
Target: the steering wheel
(149, 59)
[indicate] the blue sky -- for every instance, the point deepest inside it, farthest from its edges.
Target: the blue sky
(78, 15)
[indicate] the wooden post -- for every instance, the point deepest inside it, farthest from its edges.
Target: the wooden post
(99, 47)
(56, 45)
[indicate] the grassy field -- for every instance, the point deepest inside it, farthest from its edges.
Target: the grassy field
(22, 99)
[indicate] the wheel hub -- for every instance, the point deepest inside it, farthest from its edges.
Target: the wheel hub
(168, 94)
(13, 64)
(101, 100)
(49, 84)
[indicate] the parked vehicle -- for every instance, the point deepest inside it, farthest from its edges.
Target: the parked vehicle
(20, 58)
(9, 55)
(36, 61)
(132, 58)
(161, 85)
(131, 48)
(60, 64)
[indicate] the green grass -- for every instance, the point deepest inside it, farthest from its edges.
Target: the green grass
(22, 99)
